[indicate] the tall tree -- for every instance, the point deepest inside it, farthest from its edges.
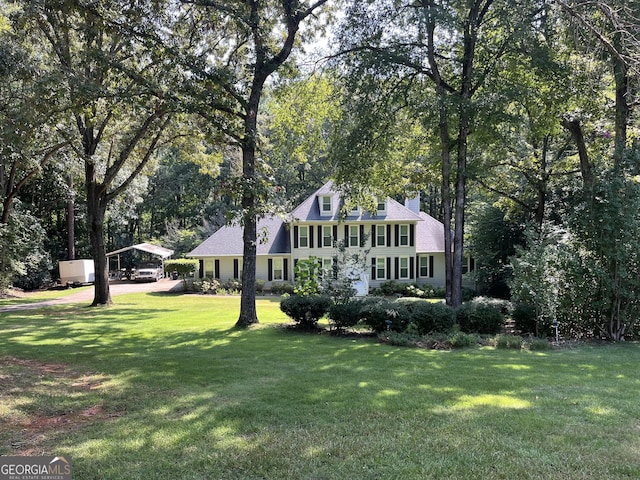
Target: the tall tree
(115, 98)
(233, 50)
(453, 48)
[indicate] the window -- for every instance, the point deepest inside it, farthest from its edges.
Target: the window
(468, 265)
(326, 207)
(381, 267)
(327, 267)
(404, 267)
(354, 236)
(303, 237)
(380, 235)
(327, 236)
(278, 269)
(404, 235)
(354, 212)
(381, 207)
(424, 266)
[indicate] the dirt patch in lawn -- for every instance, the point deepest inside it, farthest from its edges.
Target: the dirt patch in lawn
(41, 402)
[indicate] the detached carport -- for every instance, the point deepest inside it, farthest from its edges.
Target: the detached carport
(156, 250)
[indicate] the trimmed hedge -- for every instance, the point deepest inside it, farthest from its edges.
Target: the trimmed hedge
(428, 317)
(481, 315)
(305, 310)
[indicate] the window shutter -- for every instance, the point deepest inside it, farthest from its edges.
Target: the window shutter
(373, 235)
(216, 267)
(417, 260)
(388, 235)
(431, 266)
(295, 237)
(373, 269)
(397, 234)
(311, 236)
(235, 268)
(412, 235)
(388, 268)
(472, 264)
(201, 268)
(335, 268)
(270, 268)
(361, 236)
(411, 266)
(335, 233)
(320, 232)
(285, 267)
(346, 235)
(397, 265)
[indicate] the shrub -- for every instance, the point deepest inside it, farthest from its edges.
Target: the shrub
(233, 285)
(207, 286)
(537, 344)
(509, 341)
(381, 314)
(280, 288)
(481, 315)
(260, 285)
(391, 288)
(305, 310)
(428, 317)
(461, 340)
(183, 266)
(345, 315)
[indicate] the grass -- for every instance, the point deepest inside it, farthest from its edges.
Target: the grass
(40, 296)
(163, 387)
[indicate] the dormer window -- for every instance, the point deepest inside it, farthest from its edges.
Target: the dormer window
(326, 208)
(354, 212)
(381, 207)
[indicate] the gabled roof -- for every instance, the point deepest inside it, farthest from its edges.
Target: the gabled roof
(429, 235)
(273, 239)
(309, 210)
(145, 247)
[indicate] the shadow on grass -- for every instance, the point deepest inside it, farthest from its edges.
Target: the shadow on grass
(212, 401)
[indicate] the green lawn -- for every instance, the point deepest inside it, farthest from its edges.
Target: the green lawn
(163, 387)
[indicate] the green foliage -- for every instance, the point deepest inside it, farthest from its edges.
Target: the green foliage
(481, 315)
(183, 266)
(207, 286)
(305, 310)
(428, 317)
(462, 340)
(381, 314)
(345, 315)
(23, 259)
(307, 273)
(232, 286)
(347, 266)
(514, 342)
(526, 321)
(260, 285)
(537, 344)
(492, 240)
(280, 288)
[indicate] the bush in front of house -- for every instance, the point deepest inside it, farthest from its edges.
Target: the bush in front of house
(381, 314)
(207, 286)
(305, 310)
(345, 314)
(481, 315)
(428, 317)
(280, 288)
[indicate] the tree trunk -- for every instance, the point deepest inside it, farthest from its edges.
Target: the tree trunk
(248, 314)
(71, 223)
(96, 209)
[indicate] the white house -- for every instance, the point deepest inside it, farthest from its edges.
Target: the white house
(403, 243)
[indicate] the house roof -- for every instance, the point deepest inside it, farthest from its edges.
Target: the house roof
(273, 239)
(309, 210)
(429, 235)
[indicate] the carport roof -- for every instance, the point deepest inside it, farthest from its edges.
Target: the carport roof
(145, 247)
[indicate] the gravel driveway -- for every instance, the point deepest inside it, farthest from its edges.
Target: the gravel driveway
(117, 287)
